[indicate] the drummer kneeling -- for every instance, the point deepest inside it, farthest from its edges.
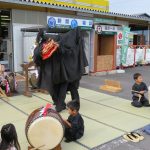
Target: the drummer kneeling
(74, 125)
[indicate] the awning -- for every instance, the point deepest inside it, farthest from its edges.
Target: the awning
(76, 9)
(49, 30)
(95, 5)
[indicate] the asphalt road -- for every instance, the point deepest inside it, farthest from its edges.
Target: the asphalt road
(126, 80)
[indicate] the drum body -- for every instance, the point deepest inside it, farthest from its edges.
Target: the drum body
(44, 132)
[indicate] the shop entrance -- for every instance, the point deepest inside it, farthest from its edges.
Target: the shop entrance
(5, 39)
(105, 51)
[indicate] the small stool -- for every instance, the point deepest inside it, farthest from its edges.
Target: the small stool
(56, 148)
(111, 86)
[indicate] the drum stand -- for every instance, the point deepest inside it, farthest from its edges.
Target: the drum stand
(56, 148)
(26, 69)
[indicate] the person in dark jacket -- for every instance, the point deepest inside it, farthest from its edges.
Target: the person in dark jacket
(138, 90)
(64, 68)
(74, 124)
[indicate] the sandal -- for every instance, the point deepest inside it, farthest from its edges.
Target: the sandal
(130, 137)
(137, 135)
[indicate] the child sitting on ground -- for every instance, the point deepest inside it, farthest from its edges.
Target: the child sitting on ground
(138, 90)
(74, 124)
(9, 138)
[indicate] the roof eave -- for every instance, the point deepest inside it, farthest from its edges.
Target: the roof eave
(77, 10)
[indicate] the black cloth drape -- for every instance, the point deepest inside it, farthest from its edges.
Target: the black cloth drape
(67, 64)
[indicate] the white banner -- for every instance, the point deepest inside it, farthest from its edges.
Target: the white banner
(139, 57)
(147, 59)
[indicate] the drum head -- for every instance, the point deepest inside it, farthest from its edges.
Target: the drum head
(46, 132)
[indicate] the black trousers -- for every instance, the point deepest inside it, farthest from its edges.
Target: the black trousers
(70, 134)
(59, 94)
(74, 92)
(60, 90)
(73, 88)
(139, 103)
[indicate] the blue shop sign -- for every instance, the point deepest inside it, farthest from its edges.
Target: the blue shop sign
(55, 22)
(74, 24)
(52, 22)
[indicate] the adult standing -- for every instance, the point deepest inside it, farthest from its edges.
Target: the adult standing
(64, 69)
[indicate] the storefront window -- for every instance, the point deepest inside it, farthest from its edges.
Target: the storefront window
(140, 34)
(143, 37)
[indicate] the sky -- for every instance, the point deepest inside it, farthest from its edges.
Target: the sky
(130, 6)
